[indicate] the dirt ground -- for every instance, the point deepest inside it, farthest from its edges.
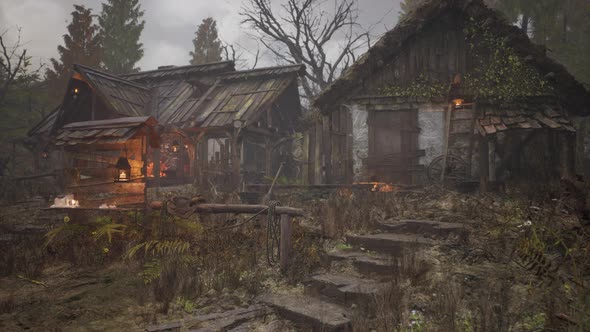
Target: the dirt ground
(480, 280)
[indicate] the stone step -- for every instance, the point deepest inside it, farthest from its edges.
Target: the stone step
(343, 289)
(310, 312)
(366, 263)
(424, 227)
(393, 244)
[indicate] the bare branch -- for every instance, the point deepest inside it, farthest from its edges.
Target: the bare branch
(12, 62)
(303, 32)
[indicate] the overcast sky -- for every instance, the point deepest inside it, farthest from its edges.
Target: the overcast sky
(169, 28)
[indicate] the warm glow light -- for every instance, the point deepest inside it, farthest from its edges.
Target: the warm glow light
(76, 90)
(381, 187)
(458, 102)
(150, 170)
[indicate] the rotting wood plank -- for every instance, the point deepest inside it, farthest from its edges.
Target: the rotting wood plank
(235, 208)
(114, 187)
(105, 159)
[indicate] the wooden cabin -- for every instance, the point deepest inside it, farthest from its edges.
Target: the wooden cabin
(203, 124)
(417, 108)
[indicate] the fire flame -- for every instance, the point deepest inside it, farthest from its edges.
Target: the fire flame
(150, 170)
(381, 187)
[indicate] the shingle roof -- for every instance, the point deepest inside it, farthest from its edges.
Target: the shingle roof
(244, 95)
(182, 71)
(498, 121)
(117, 130)
(125, 97)
(45, 126)
(393, 42)
(236, 94)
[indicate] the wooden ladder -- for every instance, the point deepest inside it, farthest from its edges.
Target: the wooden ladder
(459, 133)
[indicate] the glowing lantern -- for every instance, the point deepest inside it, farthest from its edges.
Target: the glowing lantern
(458, 102)
(123, 170)
(175, 146)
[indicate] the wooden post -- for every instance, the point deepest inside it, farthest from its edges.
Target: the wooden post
(483, 164)
(156, 168)
(446, 137)
(235, 157)
(93, 106)
(566, 157)
(180, 165)
(285, 242)
(492, 160)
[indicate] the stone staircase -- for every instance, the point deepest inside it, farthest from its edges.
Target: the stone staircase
(358, 272)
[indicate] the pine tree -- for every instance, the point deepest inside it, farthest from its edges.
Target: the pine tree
(561, 25)
(207, 44)
(409, 5)
(81, 45)
(120, 28)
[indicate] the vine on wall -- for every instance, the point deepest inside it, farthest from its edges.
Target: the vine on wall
(497, 74)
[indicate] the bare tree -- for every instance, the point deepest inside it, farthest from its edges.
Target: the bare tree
(302, 32)
(230, 54)
(13, 59)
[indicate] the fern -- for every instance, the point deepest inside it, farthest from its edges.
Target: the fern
(52, 234)
(108, 229)
(151, 271)
(159, 248)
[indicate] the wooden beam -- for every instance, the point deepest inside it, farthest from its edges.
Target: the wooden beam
(235, 208)
(285, 244)
(492, 160)
(447, 134)
(483, 164)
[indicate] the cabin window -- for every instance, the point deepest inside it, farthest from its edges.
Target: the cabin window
(218, 151)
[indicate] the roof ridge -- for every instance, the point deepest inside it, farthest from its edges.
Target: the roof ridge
(247, 71)
(110, 76)
(178, 67)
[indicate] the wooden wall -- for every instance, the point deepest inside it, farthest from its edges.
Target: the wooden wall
(91, 173)
(439, 53)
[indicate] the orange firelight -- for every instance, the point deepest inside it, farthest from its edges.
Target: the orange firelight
(380, 187)
(458, 102)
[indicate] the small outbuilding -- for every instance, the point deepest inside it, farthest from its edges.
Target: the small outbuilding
(203, 124)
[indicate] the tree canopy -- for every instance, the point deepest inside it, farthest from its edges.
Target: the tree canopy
(120, 27)
(207, 46)
(82, 45)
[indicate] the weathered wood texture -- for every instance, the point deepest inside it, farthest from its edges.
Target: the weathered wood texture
(439, 53)
(393, 146)
(235, 208)
(286, 242)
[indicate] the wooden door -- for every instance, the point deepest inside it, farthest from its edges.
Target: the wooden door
(393, 146)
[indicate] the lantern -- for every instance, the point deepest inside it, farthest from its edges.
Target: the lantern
(123, 170)
(458, 102)
(175, 146)
(456, 93)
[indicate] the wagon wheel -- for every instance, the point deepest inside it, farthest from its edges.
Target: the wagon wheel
(457, 169)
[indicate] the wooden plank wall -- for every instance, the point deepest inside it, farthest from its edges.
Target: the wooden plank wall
(439, 53)
(98, 162)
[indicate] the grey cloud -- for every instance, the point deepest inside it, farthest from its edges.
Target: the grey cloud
(170, 25)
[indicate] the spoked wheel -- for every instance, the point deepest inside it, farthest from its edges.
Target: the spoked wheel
(457, 170)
